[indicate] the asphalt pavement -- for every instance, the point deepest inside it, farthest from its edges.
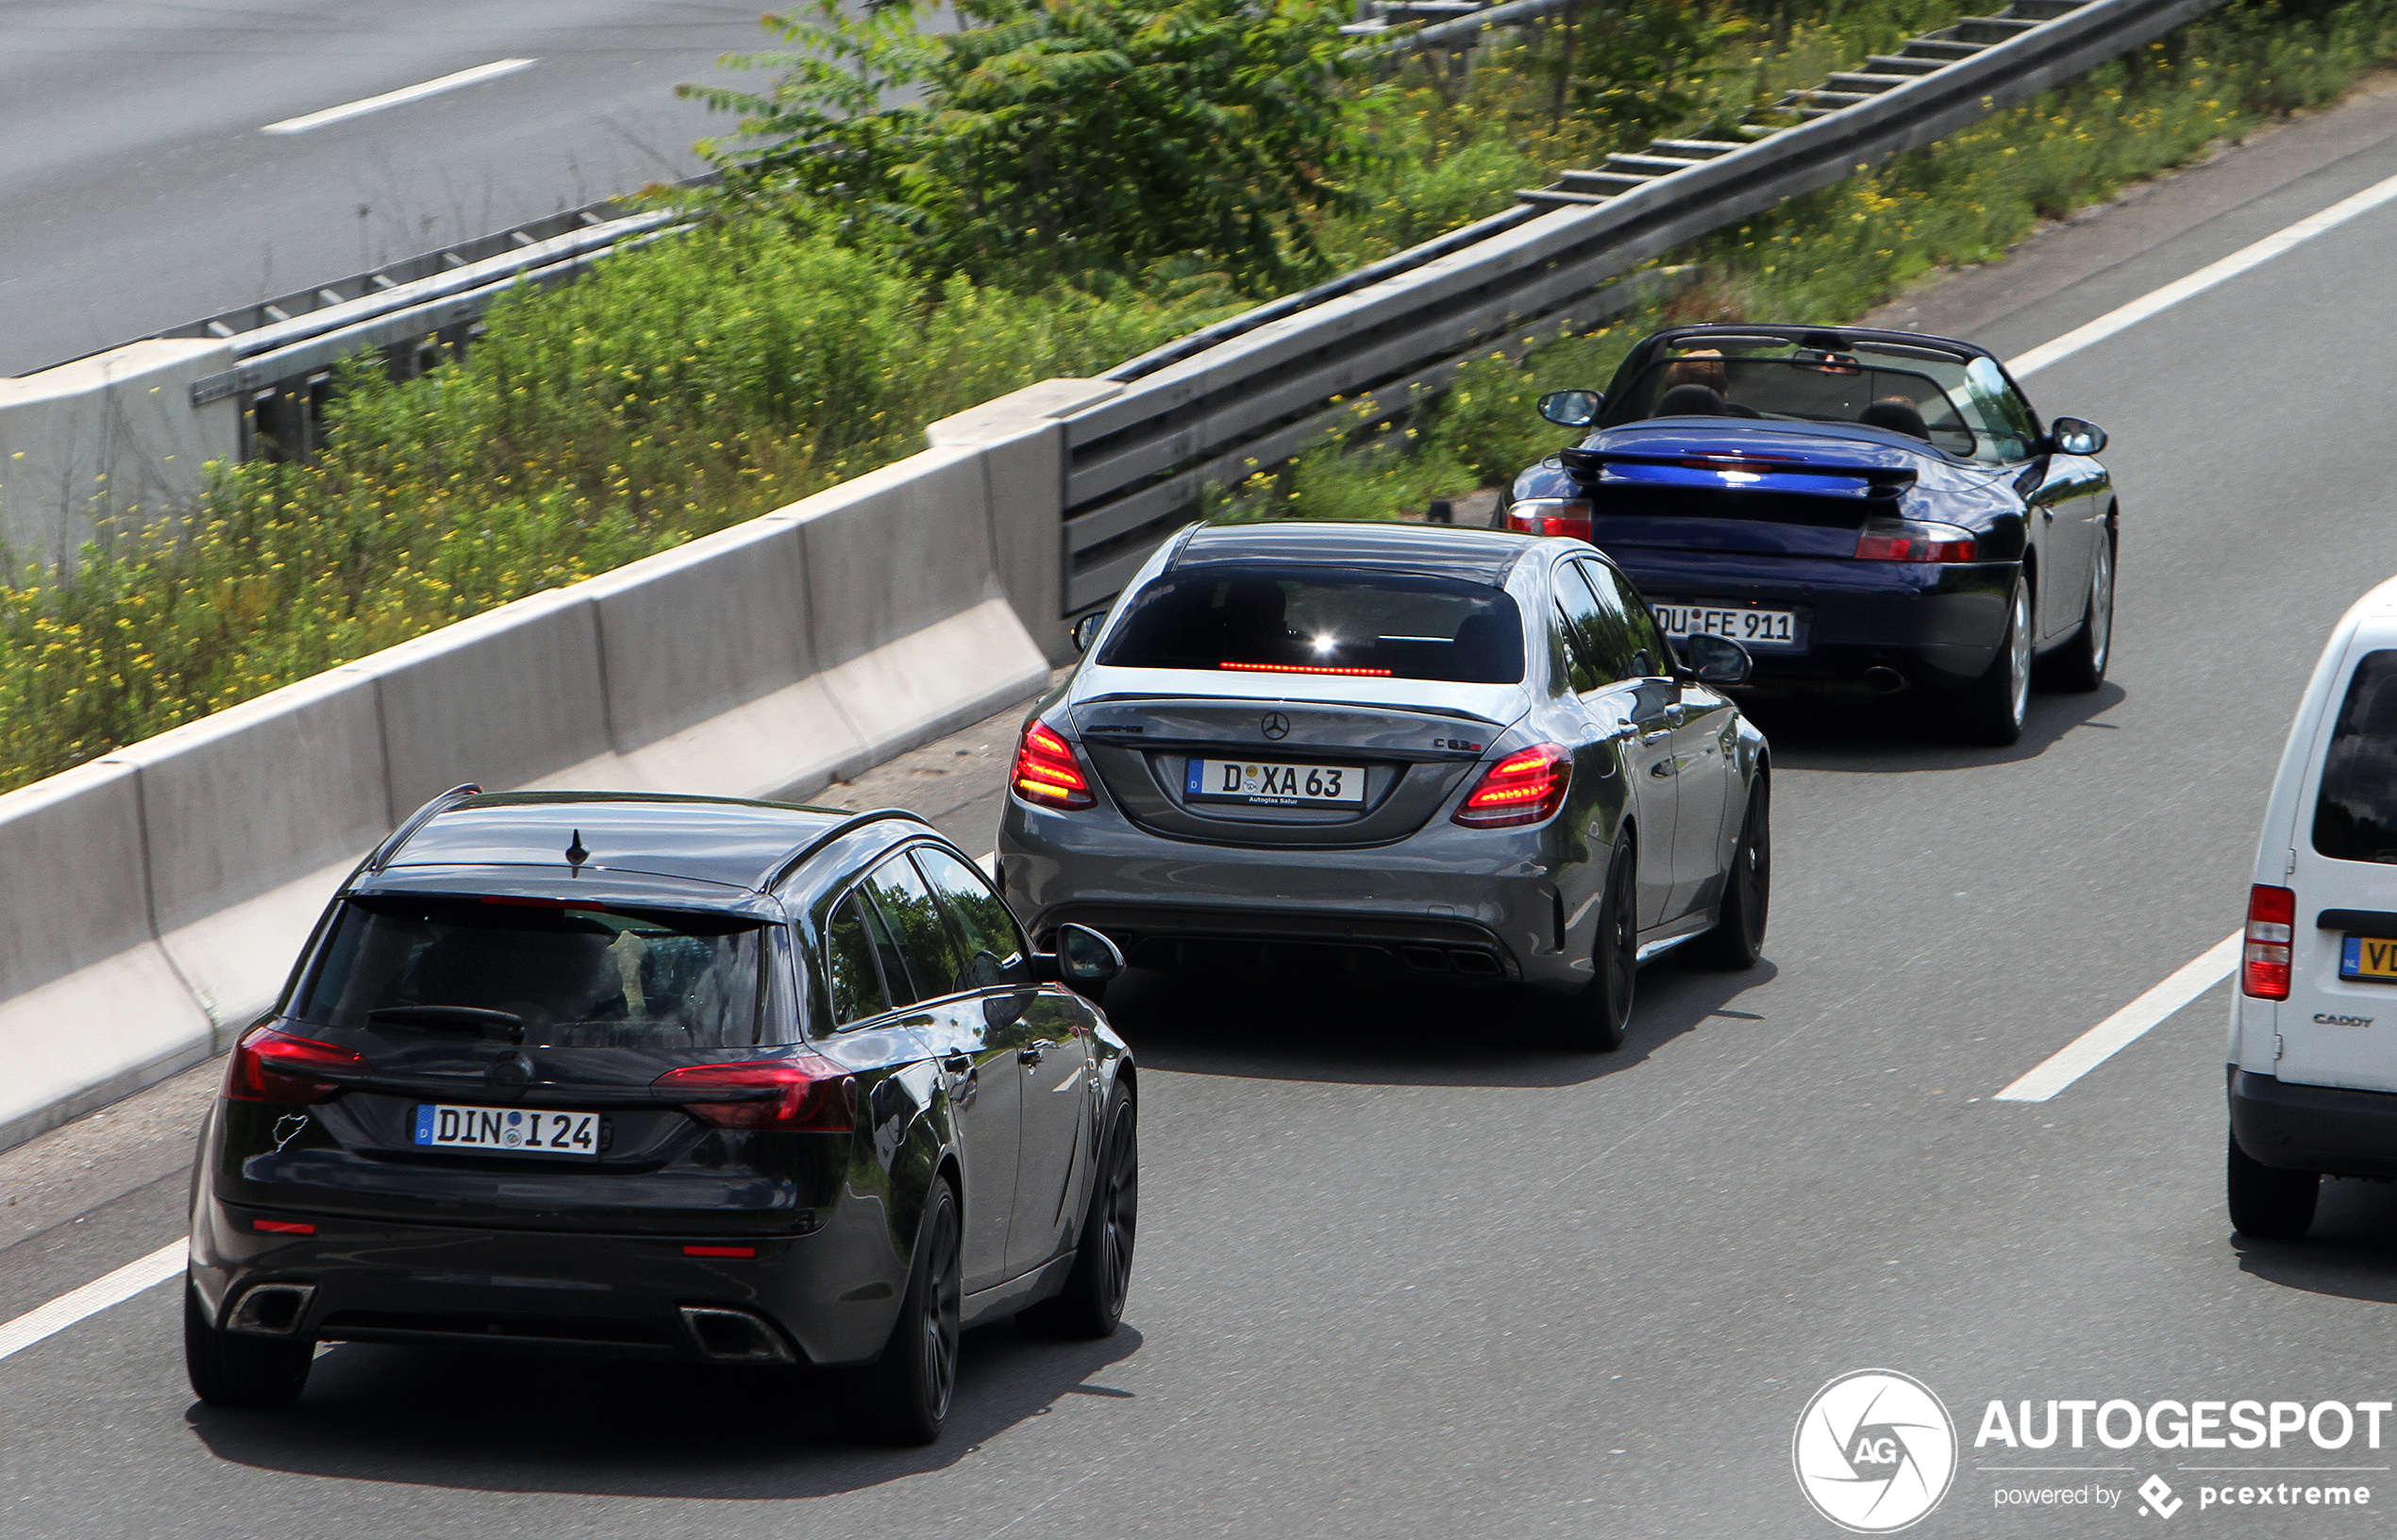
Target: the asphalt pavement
(142, 191)
(1406, 1270)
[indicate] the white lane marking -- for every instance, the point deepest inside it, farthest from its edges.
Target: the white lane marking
(2126, 1026)
(988, 862)
(2203, 278)
(394, 98)
(109, 1289)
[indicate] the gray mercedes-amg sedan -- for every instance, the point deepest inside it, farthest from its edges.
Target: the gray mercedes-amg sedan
(1469, 755)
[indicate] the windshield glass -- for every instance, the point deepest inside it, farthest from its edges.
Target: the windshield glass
(1963, 406)
(1321, 620)
(569, 976)
(2355, 815)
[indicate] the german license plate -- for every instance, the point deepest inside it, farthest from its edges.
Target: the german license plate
(2371, 960)
(1769, 628)
(509, 1131)
(1262, 784)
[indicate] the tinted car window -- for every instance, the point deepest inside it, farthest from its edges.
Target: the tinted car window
(926, 948)
(1594, 643)
(994, 946)
(1302, 619)
(1643, 640)
(851, 972)
(579, 975)
(2356, 814)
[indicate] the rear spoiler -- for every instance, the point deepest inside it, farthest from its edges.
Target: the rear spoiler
(1773, 472)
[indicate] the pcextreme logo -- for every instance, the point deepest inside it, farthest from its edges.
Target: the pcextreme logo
(1874, 1450)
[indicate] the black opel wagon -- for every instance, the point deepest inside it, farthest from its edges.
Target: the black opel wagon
(672, 1076)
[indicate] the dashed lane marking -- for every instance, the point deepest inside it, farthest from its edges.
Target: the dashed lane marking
(364, 105)
(2126, 1026)
(108, 1289)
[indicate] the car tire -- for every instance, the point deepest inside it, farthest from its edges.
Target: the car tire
(1091, 1305)
(229, 1370)
(1598, 1016)
(2080, 663)
(912, 1386)
(1993, 711)
(2268, 1203)
(1737, 941)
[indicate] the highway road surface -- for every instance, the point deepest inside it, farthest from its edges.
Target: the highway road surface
(144, 190)
(1405, 1270)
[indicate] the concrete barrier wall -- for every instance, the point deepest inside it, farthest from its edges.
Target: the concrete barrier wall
(152, 903)
(113, 436)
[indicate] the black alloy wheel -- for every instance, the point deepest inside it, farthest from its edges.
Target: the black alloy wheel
(229, 1370)
(2268, 1203)
(2080, 665)
(1596, 1019)
(916, 1378)
(1992, 710)
(1092, 1303)
(1737, 940)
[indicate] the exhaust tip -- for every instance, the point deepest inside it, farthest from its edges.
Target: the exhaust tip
(1884, 680)
(272, 1309)
(733, 1336)
(1424, 958)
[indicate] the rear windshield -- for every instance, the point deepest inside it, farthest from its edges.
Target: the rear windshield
(532, 971)
(1322, 620)
(1962, 405)
(2355, 817)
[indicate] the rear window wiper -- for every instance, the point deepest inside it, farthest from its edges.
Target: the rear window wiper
(464, 1020)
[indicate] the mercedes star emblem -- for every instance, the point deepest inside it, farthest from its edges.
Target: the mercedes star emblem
(1277, 725)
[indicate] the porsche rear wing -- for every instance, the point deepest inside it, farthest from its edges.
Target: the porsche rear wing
(1737, 470)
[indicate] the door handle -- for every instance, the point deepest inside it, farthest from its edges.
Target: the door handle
(1656, 737)
(958, 1063)
(1664, 768)
(1031, 1053)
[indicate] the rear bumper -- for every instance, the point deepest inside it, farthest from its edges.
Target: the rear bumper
(822, 1294)
(2314, 1128)
(1938, 626)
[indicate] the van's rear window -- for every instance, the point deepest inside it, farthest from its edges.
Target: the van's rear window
(569, 977)
(1324, 621)
(2355, 815)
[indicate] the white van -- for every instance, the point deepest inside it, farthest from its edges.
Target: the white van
(2313, 1049)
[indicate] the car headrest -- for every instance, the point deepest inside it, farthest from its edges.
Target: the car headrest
(1689, 401)
(1896, 417)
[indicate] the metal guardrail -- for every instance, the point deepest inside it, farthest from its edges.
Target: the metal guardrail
(1253, 389)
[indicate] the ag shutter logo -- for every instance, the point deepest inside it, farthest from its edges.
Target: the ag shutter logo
(1874, 1450)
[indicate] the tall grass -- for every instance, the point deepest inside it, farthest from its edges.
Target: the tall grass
(709, 377)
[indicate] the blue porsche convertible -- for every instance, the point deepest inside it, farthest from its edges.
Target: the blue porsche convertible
(1868, 512)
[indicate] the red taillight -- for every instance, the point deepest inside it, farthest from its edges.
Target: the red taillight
(1522, 788)
(1550, 516)
(1905, 540)
(805, 1095)
(2272, 918)
(269, 1066)
(282, 1227)
(1047, 771)
(719, 1250)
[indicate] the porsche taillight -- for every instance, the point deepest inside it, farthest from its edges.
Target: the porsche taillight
(1047, 771)
(1550, 516)
(1910, 540)
(1522, 788)
(2272, 919)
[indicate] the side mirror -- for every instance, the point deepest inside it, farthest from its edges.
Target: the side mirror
(1084, 961)
(1572, 409)
(2071, 436)
(1085, 629)
(1718, 660)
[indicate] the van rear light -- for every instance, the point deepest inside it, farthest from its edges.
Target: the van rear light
(804, 1095)
(1550, 516)
(1908, 540)
(269, 1066)
(1047, 771)
(2272, 918)
(1522, 788)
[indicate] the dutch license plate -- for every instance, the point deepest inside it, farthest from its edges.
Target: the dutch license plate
(509, 1131)
(1749, 628)
(1276, 785)
(2371, 958)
